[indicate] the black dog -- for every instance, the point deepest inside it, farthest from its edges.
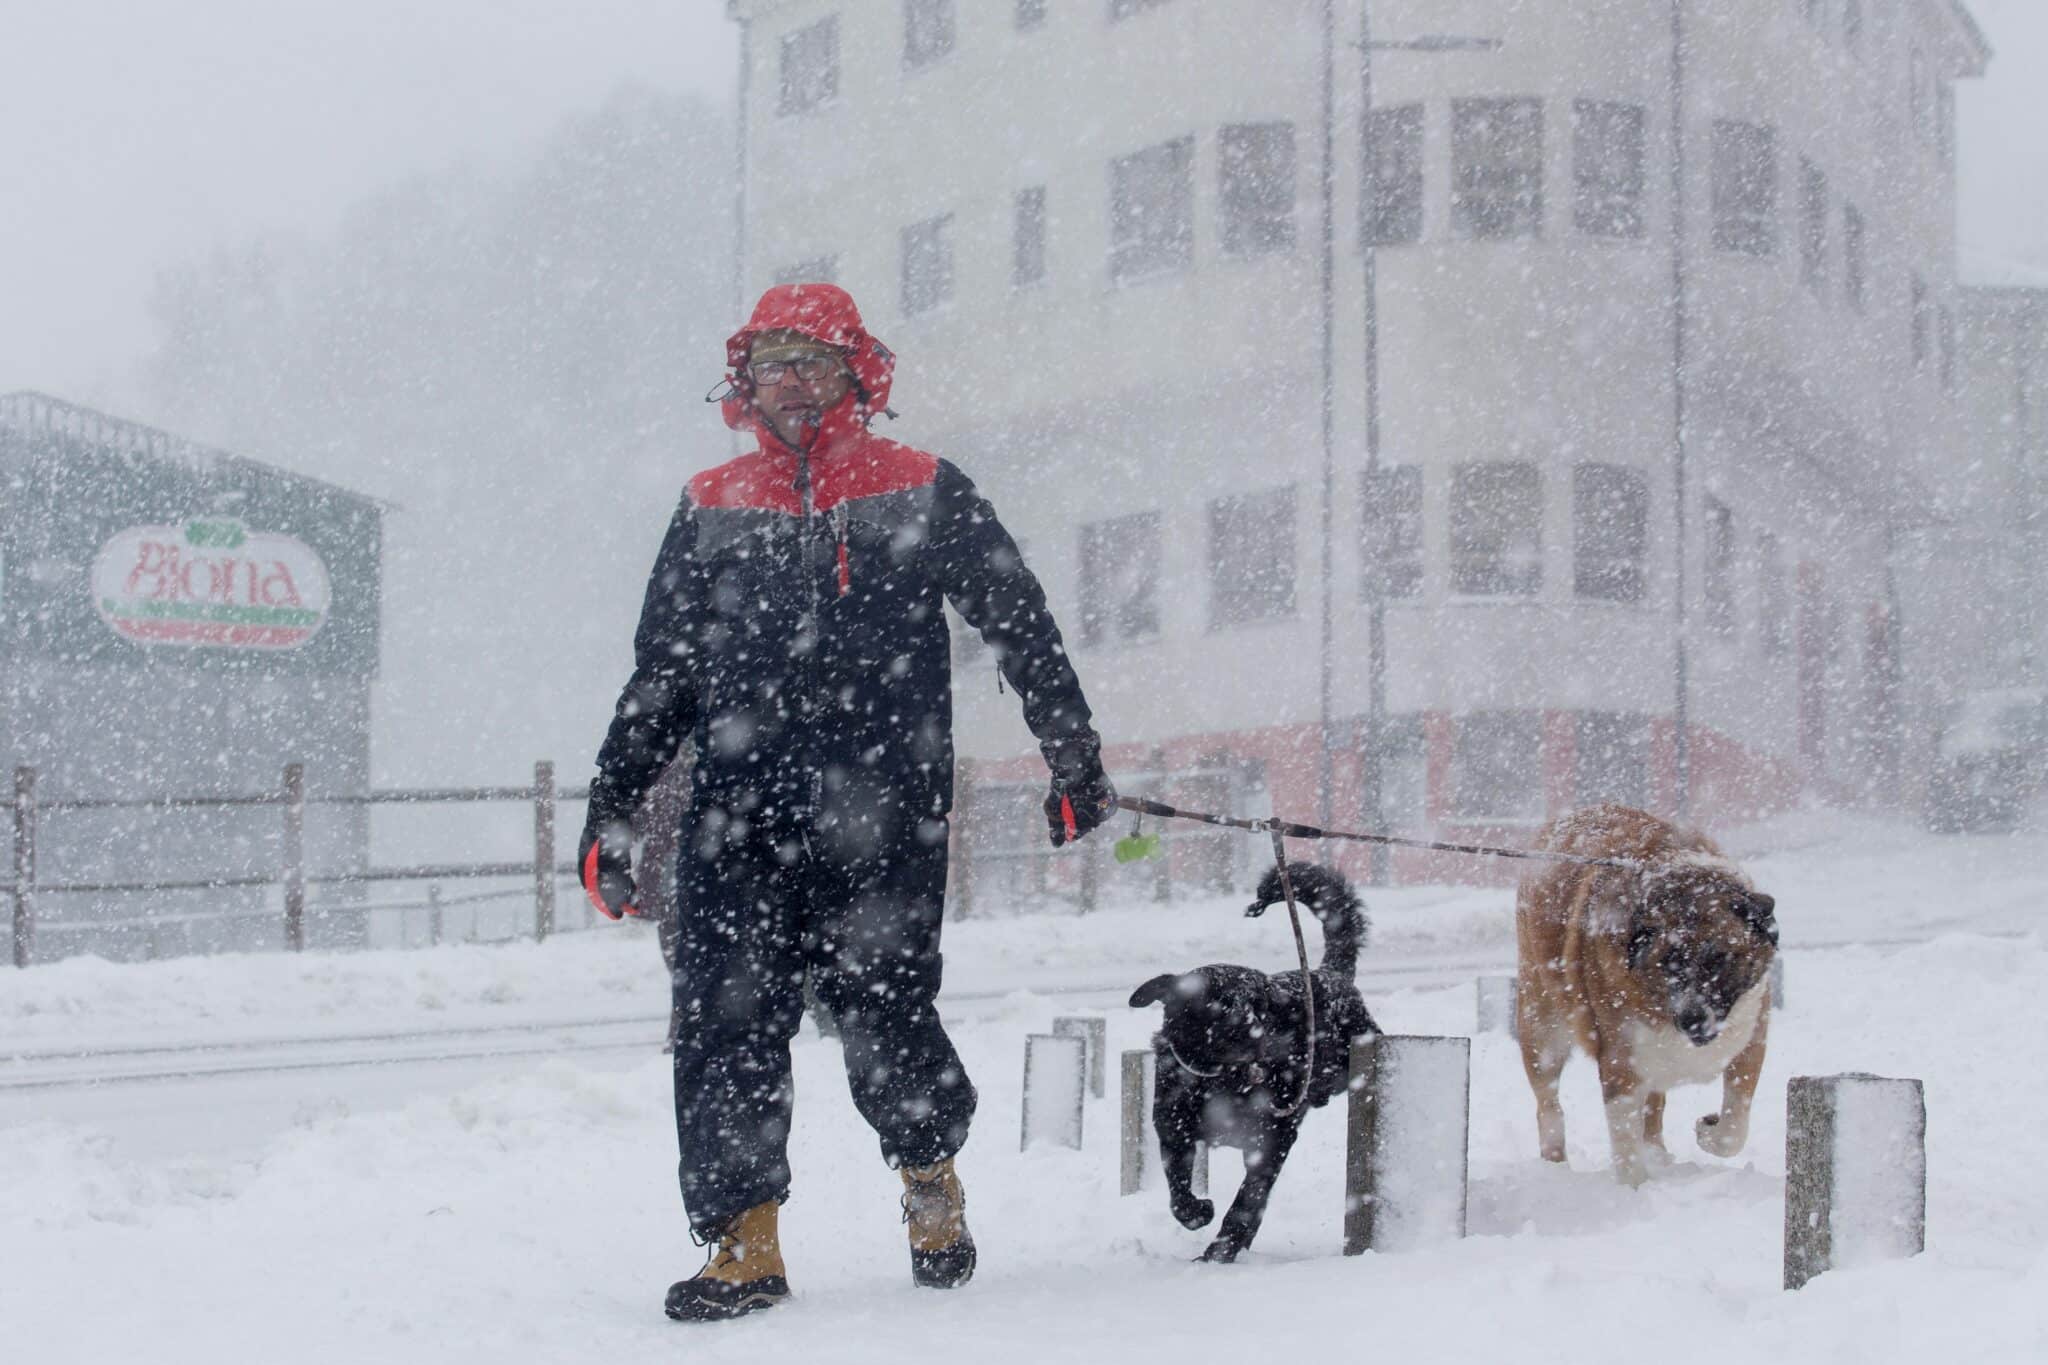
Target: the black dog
(1234, 1050)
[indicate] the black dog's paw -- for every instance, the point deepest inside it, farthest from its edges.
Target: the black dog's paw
(1194, 1213)
(1220, 1252)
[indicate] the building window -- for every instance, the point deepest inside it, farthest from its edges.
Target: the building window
(1496, 168)
(1390, 522)
(1402, 751)
(1923, 324)
(1120, 579)
(1027, 241)
(1813, 226)
(810, 66)
(1612, 759)
(816, 270)
(1774, 600)
(1392, 212)
(927, 31)
(1152, 210)
(1607, 168)
(1497, 766)
(1124, 9)
(1719, 585)
(1610, 532)
(1256, 163)
(1745, 187)
(1030, 14)
(1855, 257)
(1251, 558)
(927, 265)
(1496, 529)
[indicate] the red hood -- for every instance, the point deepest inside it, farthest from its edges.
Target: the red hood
(826, 313)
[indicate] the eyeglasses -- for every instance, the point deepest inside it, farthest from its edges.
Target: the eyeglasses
(809, 368)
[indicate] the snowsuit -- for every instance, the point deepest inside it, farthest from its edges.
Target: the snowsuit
(793, 631)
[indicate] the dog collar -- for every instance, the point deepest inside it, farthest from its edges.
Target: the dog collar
(1182, 1062)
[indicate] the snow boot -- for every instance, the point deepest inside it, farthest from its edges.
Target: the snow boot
(743, 1273)
(935, 1210)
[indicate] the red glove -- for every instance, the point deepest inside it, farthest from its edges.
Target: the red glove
(605, 862)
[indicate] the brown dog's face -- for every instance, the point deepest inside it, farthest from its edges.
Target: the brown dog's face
(1700, 941)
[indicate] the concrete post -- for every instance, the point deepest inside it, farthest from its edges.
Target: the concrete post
(1093, 1031)
(1855, 1172)
(1055, 1075)
(544, 850)
(1405, 1162)
(1138, 1157)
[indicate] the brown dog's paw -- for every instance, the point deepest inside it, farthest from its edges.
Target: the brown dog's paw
(1719, 1139)
(1194, 1213)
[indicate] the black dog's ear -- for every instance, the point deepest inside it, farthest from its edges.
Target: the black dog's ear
(1158, 989)
(1756, 910)
(1642, 936)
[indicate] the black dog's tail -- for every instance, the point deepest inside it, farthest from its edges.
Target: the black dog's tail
(1324, 891)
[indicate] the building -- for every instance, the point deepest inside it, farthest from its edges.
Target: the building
(1994, 549)
(1421, 478)
(179, 622)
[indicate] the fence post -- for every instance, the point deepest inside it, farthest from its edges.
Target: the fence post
(434, 913)
(295, 856)
(24, 864)
(543, 849)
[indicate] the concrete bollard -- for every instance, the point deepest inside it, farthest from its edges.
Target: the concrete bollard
(1093, 1030)
(1855, 1172)
(1138, 1155)
(1138, 1151)
(1405, 1163)
(1494, 1000)
(1055, 1077)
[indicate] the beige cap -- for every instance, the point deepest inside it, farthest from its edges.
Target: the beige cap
(784, 344)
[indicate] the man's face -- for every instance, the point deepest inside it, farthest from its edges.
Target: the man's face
(784, 395)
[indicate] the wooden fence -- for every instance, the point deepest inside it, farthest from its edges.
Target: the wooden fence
(291, 873)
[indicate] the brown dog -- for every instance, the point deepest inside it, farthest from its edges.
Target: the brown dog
(1659, 971)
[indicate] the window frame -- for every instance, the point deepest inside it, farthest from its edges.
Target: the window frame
(791, 102)
(1259, 585)
(1610, 572)
(926, 242)
(1404, 129)
(1745, 191)
(1256, 217)
(1391, 568)
(1112, 622)
(1602, 208)
(939, 32)
(1479, 186)
(1526, 804)
(1134, 252)
(1493, 559)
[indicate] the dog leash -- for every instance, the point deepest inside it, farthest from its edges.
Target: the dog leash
(1308, 982)
(1288, 829)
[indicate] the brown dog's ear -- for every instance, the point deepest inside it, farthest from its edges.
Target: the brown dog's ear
(1756, 910)
(1158, 989)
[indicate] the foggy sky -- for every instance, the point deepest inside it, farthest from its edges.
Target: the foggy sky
(134, 134)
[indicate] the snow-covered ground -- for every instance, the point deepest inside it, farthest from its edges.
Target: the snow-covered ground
(467, 1154)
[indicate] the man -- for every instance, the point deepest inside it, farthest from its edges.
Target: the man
(793, 632)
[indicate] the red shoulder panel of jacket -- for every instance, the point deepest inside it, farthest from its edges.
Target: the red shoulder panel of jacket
(758, 481)
(863, 468)
(871, 468)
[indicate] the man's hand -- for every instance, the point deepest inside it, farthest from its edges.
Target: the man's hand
(604, 860)
(1081, 798)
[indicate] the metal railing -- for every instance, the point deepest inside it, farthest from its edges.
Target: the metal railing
(291, 873)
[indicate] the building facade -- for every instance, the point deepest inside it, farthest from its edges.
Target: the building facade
(178, 622)
(1428, 418)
